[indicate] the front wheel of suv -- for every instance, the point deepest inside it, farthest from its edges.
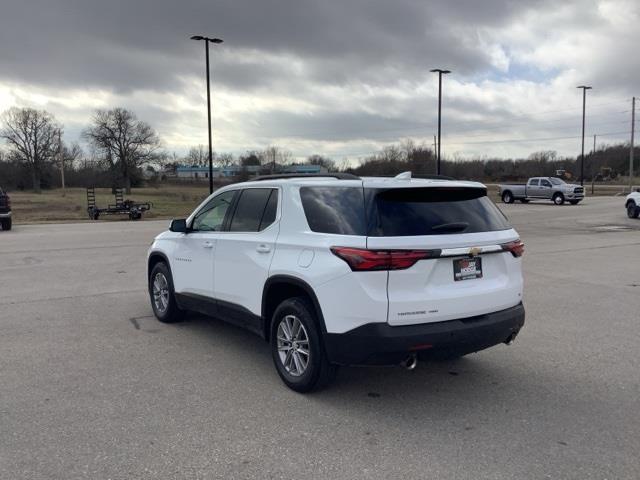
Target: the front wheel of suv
(296, 347)
(162, 296)
(632, 210)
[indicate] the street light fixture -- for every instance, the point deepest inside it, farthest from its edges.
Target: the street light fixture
(584, 104)
(206, 43)
(440, 72)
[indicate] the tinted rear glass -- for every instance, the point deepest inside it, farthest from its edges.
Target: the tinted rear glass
(405, 212)
(334, 209)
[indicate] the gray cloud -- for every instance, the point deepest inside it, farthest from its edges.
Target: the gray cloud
(356, 70)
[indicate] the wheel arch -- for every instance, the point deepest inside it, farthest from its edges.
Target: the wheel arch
(280, 287)
(155, 258)
(629, 202)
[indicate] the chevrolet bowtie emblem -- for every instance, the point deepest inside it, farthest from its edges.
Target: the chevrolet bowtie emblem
(475, 251)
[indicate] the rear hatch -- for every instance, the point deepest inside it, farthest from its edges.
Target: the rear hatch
(467, 256)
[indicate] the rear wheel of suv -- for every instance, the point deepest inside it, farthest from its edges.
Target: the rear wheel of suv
(296, 347)
(162, 296)
(632, 210)
(558, 198)
(6, 224)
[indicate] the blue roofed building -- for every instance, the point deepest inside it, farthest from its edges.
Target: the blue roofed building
(202, 173)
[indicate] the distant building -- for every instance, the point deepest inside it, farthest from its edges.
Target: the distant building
(202, 173)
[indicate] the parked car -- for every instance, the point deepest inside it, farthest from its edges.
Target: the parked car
(542, 188)
(5, 210)
(632, 204)
(342, 270)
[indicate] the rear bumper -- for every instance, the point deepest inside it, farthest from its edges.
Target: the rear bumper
(382, 344)
(5, 214)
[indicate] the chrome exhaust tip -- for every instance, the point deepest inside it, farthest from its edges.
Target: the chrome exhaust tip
(410, 362)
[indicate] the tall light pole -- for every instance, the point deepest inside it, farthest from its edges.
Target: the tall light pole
(584, 104)
(633, 132)
(206, 49)
(440, 72)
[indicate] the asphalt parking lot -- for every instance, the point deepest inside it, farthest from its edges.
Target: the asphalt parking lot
(91, 386)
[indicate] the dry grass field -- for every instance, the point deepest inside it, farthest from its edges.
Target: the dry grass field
(169, 201)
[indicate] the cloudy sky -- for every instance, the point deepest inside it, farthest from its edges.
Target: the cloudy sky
(336, 78)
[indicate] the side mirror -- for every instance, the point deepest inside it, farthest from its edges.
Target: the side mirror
(178, 225)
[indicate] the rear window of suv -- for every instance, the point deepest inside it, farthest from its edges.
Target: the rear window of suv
(402, 212)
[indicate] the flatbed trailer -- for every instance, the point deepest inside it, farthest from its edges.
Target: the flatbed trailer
(121, 207)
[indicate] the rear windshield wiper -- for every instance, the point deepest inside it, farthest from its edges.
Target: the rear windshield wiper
(451, 227)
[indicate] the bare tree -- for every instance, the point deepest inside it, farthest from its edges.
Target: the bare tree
(126, 142)
(224, 159)
(198, 156)
(251, 158)
(325, 162)
(274, 156)
(32, 137)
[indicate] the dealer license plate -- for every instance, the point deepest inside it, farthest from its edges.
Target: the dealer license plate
(467, 268)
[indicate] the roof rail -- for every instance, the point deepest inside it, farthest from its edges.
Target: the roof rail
(339, 176)
(432, 177)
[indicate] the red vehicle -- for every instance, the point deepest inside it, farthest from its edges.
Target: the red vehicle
(5, 210)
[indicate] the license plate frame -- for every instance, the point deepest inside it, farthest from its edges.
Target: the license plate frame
(467, 268)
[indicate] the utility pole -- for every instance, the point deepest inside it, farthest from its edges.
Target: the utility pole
(440, 72)
(61, 158)
(593, 161)
(633, 130)
(584, 104)
(206, 50)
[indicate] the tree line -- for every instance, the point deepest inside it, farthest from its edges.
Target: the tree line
(122, 149)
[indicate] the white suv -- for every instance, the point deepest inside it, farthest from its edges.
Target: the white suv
(341, 270)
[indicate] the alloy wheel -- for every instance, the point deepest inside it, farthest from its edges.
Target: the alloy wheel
(160, 292)
(293, 345)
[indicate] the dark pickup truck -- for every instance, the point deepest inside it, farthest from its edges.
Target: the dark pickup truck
(5, 210)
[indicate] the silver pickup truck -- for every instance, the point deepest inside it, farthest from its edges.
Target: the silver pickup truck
(542, 188)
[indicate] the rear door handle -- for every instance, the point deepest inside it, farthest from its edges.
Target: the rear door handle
(262, 248)
(207, 244)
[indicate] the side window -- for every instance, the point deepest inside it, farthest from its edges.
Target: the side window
(533, 182)
(338, 210)
(211, 217)
(253, 206)
(269, 215)
(545, 183)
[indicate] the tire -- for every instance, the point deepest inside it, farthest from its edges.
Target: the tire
(507, 197)
(524, 200)
(161, 295)
(574, 202)
(558, 198)
(6, 224)
(632, 210)
(293, 320)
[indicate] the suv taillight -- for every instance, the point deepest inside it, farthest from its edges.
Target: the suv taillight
(362, 260)
(516, 248)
